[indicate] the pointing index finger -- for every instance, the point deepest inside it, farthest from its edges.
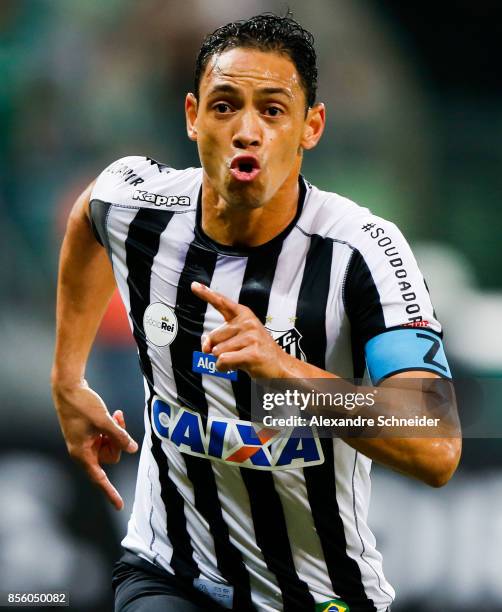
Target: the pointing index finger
(228, 308)
(99, 477)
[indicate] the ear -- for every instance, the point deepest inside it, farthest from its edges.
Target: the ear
(314, 126)
(191, 116)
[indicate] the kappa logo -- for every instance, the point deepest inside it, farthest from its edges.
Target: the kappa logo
(160, 200)
(235, 442)
(289, 341)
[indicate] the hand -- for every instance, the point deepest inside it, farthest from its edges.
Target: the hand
(242, 342)
(92, 435)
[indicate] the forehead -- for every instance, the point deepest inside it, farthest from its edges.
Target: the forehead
(252, 68)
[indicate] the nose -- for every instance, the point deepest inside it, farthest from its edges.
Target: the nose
(248, 132)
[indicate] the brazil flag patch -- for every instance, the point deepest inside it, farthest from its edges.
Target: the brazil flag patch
(333, 605)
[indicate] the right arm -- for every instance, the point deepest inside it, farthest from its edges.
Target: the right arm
(85, 286)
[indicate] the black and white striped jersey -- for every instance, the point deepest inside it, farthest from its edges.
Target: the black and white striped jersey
(284, 527)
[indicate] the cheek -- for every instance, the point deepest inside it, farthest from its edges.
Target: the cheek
(287, 143)
(208, 146)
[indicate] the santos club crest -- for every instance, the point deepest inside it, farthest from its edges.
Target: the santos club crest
(289, 341)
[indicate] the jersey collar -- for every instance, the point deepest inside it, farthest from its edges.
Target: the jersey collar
(243, 251)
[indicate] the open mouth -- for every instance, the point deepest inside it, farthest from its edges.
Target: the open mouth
(244, 167)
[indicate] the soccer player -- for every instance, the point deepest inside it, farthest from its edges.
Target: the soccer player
(237, 270)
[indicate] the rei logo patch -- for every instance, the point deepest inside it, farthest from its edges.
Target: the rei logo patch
(160, 324)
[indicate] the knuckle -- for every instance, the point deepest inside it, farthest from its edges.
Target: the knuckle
(249, 338)
(115, 432)
(233, 329)
(224, 363)
(219, 333)
(248, 323)
(122, 436)
(215, 339)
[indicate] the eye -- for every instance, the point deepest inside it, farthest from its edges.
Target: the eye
(273, 111)
(222, 108)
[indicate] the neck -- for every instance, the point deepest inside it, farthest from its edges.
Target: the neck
(239, 226)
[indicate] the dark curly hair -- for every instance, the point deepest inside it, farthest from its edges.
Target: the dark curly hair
(266, 32)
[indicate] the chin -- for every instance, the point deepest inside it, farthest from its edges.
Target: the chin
(245, 196)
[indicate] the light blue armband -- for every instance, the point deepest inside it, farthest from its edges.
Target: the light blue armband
(403, 350)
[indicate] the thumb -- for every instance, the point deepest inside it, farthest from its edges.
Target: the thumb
(119, 435)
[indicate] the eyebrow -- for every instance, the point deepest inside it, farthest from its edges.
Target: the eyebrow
(231, 89)
(276, 90)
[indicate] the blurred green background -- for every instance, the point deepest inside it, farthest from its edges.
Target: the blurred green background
(414, 99)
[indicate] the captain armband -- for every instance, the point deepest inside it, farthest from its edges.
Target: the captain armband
(405, 350)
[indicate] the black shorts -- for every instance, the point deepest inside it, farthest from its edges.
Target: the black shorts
(141, 586)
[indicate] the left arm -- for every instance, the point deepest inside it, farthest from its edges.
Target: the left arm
(432, 460)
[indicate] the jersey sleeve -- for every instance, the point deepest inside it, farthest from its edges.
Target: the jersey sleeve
(388, 304)
(116, 184)
(112, 186)
(120, 176)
